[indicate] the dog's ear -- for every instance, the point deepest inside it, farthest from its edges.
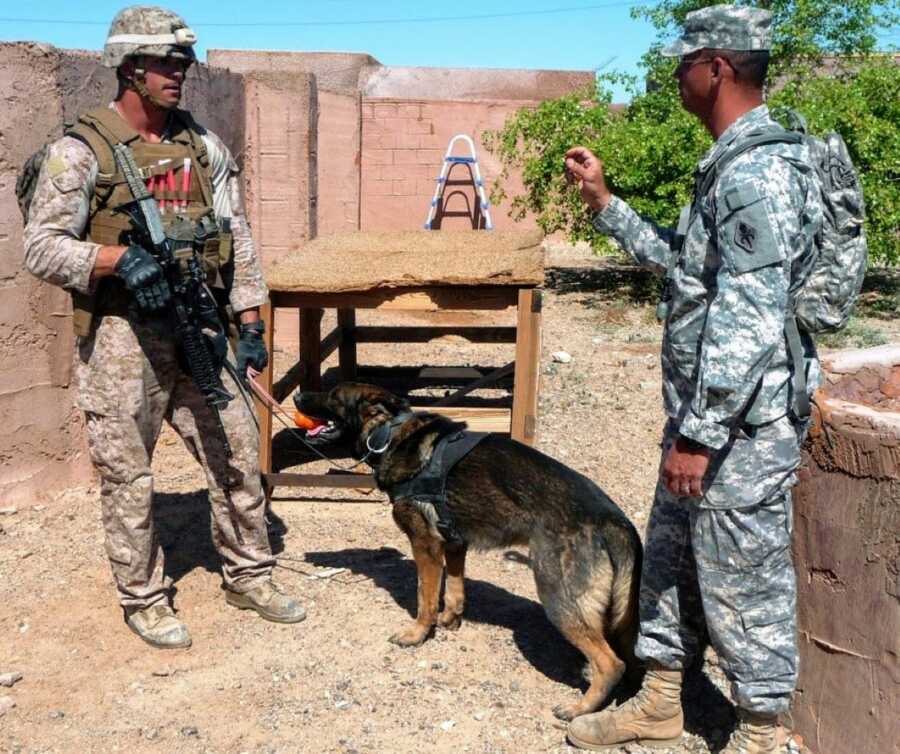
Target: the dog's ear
(386, 404)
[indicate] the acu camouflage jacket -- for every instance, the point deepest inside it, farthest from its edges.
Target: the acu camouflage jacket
(748, 244)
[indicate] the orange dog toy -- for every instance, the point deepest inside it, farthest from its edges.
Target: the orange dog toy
(306, 422)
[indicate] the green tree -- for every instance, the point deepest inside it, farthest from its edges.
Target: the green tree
(651, 147)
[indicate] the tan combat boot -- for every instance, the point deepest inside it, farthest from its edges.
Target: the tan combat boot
(269, 602)
(158, 626)
(756, 733)
(652, 718)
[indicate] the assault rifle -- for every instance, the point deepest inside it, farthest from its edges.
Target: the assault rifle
(192, 308)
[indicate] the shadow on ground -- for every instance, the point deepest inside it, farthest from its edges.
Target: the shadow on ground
(182, 523)
(607, 282)
(880, 297)
(540, 643)
(708, 713)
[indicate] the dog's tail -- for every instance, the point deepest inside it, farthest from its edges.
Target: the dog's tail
(623, 612)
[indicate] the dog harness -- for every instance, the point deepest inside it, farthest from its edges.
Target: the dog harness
(428, 488)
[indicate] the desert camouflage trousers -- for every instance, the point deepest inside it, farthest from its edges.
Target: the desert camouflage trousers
(727, 572)
(129, 382)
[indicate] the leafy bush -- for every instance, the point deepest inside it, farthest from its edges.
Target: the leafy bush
(650, 148)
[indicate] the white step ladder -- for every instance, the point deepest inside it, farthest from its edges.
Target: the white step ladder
(475, 180)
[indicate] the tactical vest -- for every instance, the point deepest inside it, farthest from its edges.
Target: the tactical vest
(108, 225)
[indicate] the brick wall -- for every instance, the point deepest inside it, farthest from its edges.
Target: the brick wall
(338, 162)
(280, 161)
(403, 145)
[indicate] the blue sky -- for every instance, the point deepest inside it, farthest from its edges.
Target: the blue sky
(600, 34)
(563, 34)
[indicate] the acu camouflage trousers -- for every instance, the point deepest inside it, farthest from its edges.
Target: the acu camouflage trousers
(721, 566)
(129, 382)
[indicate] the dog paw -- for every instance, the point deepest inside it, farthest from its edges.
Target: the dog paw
(412, 636)
(567, 712)
(450, 620)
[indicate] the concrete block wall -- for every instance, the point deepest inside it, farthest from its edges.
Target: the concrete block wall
(335, 122)
(338, 132)
(382, 131)
(403, 146)
(409, 116)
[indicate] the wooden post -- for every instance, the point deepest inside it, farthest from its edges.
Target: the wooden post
(528, 357)
(267, 314)
(311, 348)
(347, 349)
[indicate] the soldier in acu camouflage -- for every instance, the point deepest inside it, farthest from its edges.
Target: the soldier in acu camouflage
(128, 376)
(717, 557)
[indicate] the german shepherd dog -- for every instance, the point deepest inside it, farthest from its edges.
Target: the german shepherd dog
(585, 553)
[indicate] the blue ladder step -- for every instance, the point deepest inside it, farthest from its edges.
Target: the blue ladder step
(463, 160)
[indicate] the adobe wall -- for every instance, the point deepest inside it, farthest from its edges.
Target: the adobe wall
(280, 161)
(334, 81)
(41, 441)
(409, 116)
(403, 146)
(382, 130)
(847, 555)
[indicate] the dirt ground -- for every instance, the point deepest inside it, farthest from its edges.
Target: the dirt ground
(333, 683)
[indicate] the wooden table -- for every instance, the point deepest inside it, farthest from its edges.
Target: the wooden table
(522, 295)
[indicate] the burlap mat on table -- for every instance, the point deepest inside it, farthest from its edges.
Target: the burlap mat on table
(362, 261)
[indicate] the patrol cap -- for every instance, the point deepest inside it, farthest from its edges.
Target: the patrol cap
(148, 30)
(723, 27)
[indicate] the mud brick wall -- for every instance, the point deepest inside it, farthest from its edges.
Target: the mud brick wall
(847, 554)
(41, 441)
(409, 116)
(280, 161)
(403, 146)
(333, 80)
(382, 131)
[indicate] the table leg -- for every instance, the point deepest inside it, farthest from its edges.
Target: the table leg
(347, 349)
(528, 356)
(267, 314)
(311, 348)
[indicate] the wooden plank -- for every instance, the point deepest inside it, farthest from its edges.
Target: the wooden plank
(353, 481)
(478, 419)
(488, 379)
(449, 373)
(425, 334)
(409, 299)
(405, 379)
(290, 381)
(349, 338)
(311, 348)
(330, 343)
(528, 355)
(267, 315)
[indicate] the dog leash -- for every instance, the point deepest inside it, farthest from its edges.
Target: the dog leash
(278, 411)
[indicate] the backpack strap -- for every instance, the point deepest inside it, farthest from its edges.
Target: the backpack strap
(798, 367)
(707, 180)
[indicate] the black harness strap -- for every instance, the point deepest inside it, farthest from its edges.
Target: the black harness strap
(430, 484)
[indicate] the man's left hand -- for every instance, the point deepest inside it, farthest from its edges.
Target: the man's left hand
(251, 350)
(684, 467)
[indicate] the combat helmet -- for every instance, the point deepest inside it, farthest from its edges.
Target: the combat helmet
(148, 30)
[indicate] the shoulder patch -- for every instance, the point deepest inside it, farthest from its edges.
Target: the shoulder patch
(747, 237)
